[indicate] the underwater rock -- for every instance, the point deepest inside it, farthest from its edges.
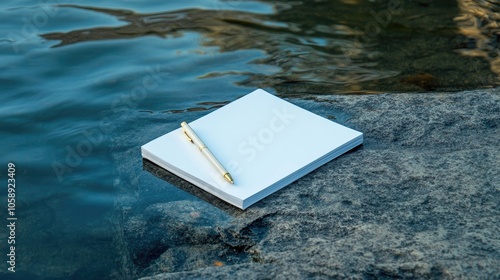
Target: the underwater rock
(163, 226)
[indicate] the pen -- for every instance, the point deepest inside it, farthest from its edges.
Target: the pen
(191, 136)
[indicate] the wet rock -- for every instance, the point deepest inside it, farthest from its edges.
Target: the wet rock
(423, 80)
(188, 235)
(163, 226)
(420, 199)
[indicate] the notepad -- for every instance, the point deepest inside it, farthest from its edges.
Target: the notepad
(265, 142)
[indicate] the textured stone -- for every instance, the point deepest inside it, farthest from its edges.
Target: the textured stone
(420, 199)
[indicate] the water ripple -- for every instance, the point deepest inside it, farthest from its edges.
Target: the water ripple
(306, 55)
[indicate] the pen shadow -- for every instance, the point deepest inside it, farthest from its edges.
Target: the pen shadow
(190, 188)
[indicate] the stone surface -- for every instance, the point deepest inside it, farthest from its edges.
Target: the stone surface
(420, 199)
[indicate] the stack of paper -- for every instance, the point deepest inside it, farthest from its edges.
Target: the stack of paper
(265, 143)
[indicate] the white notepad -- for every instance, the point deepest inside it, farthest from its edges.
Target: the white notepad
(265, 142)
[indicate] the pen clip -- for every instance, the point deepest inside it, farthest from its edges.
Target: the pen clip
(185, 133)
(187, 136)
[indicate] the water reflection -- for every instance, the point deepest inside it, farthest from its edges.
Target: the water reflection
(339, 46)
(478, 21)
(297, 50)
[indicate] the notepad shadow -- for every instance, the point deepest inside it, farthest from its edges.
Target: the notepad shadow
(186, 186)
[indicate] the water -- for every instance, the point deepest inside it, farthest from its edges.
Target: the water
(84, 85)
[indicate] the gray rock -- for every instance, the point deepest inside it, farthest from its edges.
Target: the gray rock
(420, 199)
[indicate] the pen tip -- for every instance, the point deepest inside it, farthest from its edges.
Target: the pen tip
(228, 177)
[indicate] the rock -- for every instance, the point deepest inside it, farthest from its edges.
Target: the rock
(420, 199)
(164, 226)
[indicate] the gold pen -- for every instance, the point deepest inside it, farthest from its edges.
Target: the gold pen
(191, 136)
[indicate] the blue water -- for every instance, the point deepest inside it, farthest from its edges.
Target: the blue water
(84, 85)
